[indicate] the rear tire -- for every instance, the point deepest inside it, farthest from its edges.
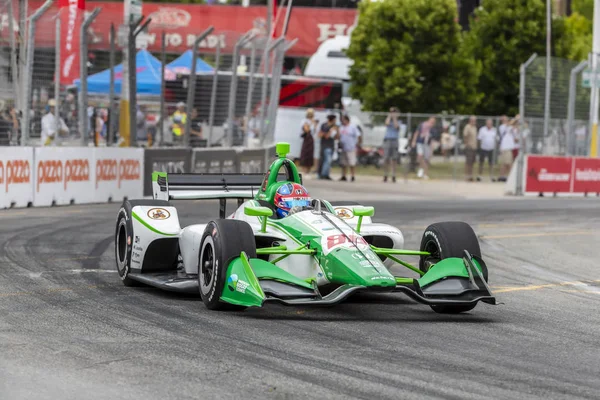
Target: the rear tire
(223, 241)
(447, 240)
(124, 236)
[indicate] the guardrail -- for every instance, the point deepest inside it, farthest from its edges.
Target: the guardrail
(47, 176)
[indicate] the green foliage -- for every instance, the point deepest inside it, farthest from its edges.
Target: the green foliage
(574, 40)
(584, 8)
(407, 54)
(503, 35)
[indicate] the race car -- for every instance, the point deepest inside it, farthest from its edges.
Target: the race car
(280, 245)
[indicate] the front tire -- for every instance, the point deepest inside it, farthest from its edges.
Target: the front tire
(223, 241)
(447, 240)
(124, 236)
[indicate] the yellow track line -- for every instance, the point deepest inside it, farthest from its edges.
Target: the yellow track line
(541, 234)
(545, 286)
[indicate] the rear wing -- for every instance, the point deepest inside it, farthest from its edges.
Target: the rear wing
(167, 187)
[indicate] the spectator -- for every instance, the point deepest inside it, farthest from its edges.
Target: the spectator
(487, 143)
(196, 124)
(349, 137)
(48, 137)
(504, 125)
(507, 145)
(515, 124)
(327, 134)
(307, 154)
(421, 140)
(178, 121)
(470, 142)
(140, 124)
(253, 125)
(580, 140)
(390, 144)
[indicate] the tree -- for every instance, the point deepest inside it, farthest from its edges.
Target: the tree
(406, 53)
(503, 35)
(575, 39)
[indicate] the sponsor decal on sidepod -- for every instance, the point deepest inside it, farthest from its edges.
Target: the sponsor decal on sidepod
(15, 172)
(53, 171)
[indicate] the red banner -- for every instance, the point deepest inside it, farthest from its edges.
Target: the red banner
(586, 177)
(547, 174)
(71, 18)
(183, 22)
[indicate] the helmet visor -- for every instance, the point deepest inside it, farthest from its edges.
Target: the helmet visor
(289, 204)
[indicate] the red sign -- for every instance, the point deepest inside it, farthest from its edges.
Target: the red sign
(586, 176)
(183, 22)
(548, 174)
(71, 18)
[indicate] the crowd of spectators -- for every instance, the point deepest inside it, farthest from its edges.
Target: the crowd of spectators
(346, 136)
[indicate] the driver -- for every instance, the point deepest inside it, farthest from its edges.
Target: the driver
(291, 198)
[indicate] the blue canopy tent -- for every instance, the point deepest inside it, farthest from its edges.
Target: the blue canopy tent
(147, 77)
(183, 64)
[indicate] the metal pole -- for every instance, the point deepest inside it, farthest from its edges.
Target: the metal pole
(13, 62)
(21, 71)
(548, 67)
(83, 75)
(595, 89)
(163, 62)
(233, 86)
(263, 99)
(192, 88)
(134, 30)
(56, 76)
(111, 87)
(28, 75)
(455, 155)
(571, 111)
(276, 87)
(521, 155)
(251, 79)
(213, 96)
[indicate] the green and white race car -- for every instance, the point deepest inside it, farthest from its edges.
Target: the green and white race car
(319, 255)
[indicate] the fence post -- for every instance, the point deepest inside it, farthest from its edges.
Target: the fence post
(456, 142)
(521, 155)
(57, 75)
(28, 75)
(263, 99)
(192, 87)
(83, 75)
(571, 111)
(276, 87)
(134, 30)
(13, 66)
(213, 96)
(233, 86)
(163, 63)
(111, 88)
(250, 86)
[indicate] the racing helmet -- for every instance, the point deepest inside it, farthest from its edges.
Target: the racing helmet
(289, 198)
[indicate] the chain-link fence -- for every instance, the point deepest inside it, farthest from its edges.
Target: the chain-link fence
(446, 150)
(567, 116)
(231, 100)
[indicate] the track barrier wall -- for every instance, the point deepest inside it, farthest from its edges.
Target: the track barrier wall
(557, 175)
(46, 176)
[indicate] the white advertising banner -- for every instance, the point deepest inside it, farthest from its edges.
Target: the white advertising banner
(118, 174)
(16, 176)
(63, 175)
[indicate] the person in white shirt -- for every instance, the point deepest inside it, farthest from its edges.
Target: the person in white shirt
(487, 138)
(49, 134)
(507, 145)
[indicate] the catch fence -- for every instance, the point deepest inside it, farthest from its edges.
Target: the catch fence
(231, 100)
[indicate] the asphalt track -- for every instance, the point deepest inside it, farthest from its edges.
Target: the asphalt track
(70, 330)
